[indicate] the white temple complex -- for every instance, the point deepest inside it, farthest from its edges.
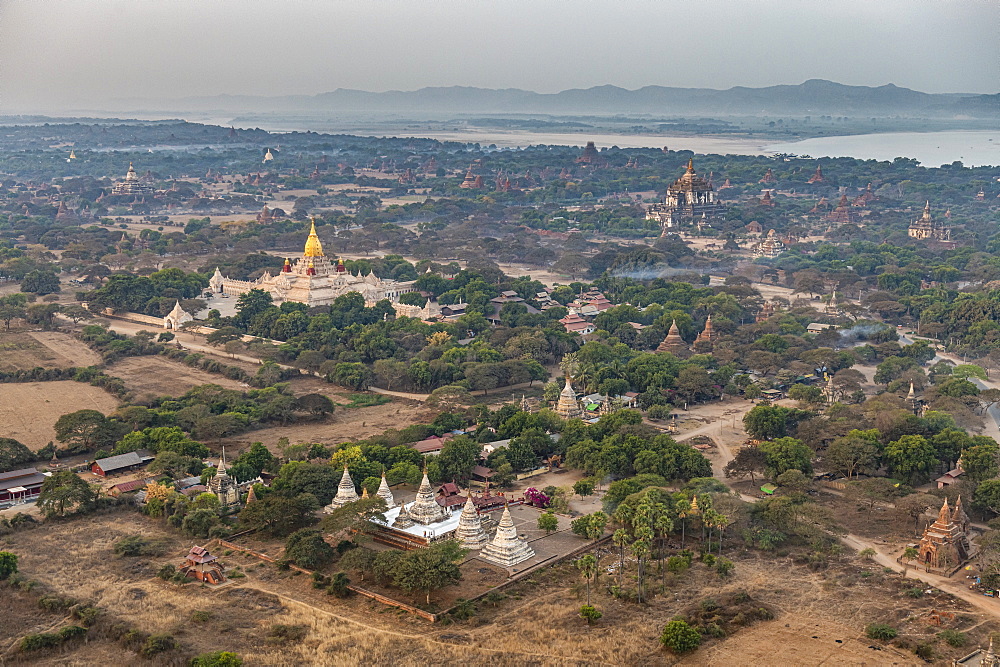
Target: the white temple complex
(314, 280)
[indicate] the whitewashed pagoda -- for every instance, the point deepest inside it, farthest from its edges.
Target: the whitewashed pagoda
(470, 533)
(346, 493)
(314, 280)
(132, 185)
(223, 486)
(568, 407)
(176, 317)
(385, 493)
(424, 510)
(506, 548)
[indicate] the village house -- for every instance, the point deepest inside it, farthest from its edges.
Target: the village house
(21, 485)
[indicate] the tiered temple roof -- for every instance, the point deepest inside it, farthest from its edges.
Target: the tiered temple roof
(224, 486)
(768, 177)
(707, 334)
(766, 199)
(926, 227)
(689, 196)
(506, 548)
(944, 543)
(843, 213)
(818, 176)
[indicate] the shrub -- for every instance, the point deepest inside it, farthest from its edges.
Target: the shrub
(463, 610)
(39, 641)
(925, 651)
(70, 631)
(86, 615)
(54, 602)
(338, 585)
(217, 659)
(8, 564)
(880, 631)
(281, 633)
(131, 545)
(954, 637)
(724, 567)
(915, 592)
(199, 616)
(680, 637)
(590, 613)
(167, 572)
(157, 644)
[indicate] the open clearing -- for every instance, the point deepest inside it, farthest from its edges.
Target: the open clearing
(345, 424)
(819, 616)
(29, 410)
(153, 376)
(24, 350)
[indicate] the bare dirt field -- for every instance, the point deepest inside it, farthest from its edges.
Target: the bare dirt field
(29, 410)
(153, 376)
(24, 350)
(819, 616)
(344, 425)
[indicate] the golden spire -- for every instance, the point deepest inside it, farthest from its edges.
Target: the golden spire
(690, 168)
(313, 247)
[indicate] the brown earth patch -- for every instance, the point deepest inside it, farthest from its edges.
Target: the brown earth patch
(153, 376)
(29, 410)
(24, 350)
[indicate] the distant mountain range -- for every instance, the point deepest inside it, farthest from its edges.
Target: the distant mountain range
(814, 97)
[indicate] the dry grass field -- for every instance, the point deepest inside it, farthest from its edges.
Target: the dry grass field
(345, 424)
(24, 350)
(29, 410)
(819, 616)
(154, 376)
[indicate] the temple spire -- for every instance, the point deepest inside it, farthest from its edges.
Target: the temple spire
(470, 532)
(507, 549)
(313, 246)
(385, 493)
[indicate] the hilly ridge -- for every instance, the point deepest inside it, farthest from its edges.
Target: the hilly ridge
(812, 97)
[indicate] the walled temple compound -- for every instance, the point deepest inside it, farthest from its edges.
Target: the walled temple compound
(315, 281)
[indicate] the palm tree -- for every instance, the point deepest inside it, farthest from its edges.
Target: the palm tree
(641, 548)
(663, 525)
(621, 540)
(683, 508)
(721, 521)
(587, 565)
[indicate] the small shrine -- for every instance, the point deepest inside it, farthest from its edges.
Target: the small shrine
(506, 548)
(176, 317)
(346, 493)
(770, 247)
(224, 486)
(766, 200)
(817, 177)
(844, 213)
(945, 543)
(768, 177)
(707, 334)
(203, 566)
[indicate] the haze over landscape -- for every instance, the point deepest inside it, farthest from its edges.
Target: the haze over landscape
(521, 332)
(122, 54)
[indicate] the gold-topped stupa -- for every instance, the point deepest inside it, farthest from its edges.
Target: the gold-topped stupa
(313, 246)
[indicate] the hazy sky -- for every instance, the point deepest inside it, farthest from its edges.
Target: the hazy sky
(67, 53)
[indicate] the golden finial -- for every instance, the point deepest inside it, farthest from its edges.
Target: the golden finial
(313, 246)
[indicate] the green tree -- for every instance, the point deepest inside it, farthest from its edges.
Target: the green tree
(176, 465)
(8, 564)
(458, 457)
(429, 569)
(852, 454)
(980, 460)
(308, 549)
(679, 637)
(63, 492)
(13, 454)
(280, 514)
(584, 487)
(199, 522)
(787, 454)
(548, 522)
(987, 495)
(84, 430)
(748, 461)
(911, 457)
(40, 282)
